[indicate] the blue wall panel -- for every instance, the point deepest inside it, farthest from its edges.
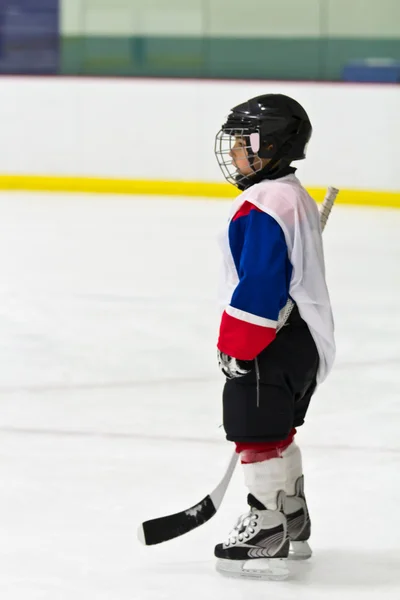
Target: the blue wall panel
(29, 36)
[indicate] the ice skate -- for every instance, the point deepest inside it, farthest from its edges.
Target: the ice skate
(258, 545)
(298, 523)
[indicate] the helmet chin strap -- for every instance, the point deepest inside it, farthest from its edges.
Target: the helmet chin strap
(276, 168)
(243, 182)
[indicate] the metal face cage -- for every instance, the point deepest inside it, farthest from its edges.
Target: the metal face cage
(225, 141)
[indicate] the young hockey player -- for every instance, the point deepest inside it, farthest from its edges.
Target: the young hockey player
(272, 251)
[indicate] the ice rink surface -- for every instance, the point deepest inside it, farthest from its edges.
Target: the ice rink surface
(110, 404)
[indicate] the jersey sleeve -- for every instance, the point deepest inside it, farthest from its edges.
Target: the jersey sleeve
(260, 253)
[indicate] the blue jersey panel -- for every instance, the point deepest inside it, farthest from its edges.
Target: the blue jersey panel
(260, 254)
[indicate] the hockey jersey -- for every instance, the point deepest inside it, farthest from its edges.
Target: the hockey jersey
(272, 250)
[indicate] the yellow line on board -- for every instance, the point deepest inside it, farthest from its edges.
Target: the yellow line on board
(201, 189)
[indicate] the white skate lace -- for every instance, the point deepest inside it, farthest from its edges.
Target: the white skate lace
(244, 527)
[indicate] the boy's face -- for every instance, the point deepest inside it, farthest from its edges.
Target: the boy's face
(240, 159)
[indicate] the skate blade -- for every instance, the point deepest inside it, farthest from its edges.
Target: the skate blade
(299, 551)
(271, 569)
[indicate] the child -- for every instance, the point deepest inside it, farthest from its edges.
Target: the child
(272, 251)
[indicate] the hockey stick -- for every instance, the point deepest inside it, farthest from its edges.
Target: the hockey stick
(166, 528)
(156, 531)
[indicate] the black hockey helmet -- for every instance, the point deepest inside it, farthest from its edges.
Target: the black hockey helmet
(273, 126)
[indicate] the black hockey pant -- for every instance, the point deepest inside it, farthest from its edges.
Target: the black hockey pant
(273, 398)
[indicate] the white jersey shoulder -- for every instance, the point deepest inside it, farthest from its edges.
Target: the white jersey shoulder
(297, 213)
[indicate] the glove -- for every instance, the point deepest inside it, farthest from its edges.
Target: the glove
(233, 367)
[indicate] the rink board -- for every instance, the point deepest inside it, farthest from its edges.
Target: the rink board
(201, 189)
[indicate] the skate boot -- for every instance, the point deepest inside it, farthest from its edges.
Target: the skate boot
(298, 523)
(258, 545)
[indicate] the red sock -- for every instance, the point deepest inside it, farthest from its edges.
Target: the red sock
(252, 452)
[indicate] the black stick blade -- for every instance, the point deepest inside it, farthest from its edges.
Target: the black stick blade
(166, 528)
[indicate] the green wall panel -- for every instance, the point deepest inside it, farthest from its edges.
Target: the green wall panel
(308, 59)
(233, 18)
(264, 58)
(135, 56)
(361, 18)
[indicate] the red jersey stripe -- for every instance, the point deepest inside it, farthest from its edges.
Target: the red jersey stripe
(245, 209)
(243, 340)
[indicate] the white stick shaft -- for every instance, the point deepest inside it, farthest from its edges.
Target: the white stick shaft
(327, 205)
(218, 494)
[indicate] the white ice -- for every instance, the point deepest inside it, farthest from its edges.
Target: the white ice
(110, 404)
